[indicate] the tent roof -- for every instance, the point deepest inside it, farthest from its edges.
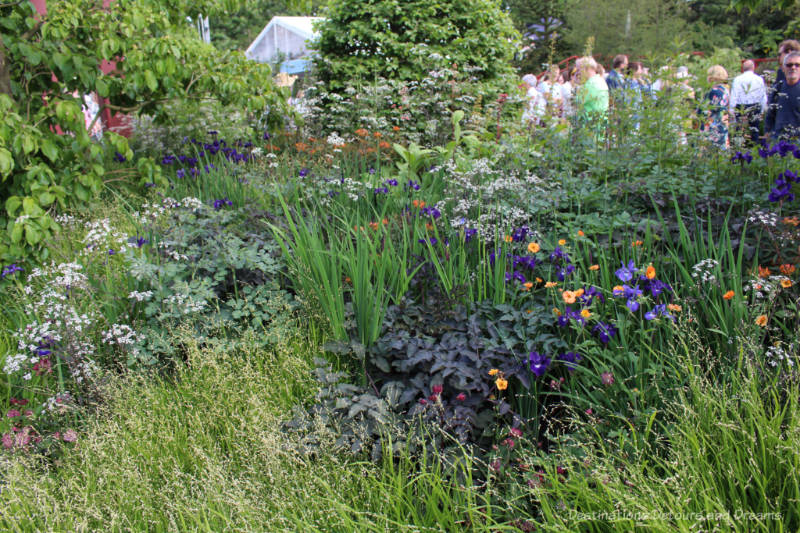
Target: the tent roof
(302, 26)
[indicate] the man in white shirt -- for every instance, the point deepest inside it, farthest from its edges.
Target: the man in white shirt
(748, 101)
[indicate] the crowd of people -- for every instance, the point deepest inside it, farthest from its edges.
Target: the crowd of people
(758, 111)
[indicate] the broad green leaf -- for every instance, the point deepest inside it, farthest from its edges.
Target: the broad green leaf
(50, 150)
(6, 163)
(12, 204)
(16, 233)
(150, 80)
(32, 235)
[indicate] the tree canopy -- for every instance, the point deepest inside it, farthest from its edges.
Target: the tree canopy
(48, 62)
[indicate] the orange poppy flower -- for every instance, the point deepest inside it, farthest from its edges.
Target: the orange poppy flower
(508, 238)
(728, 295)
(384, 145)
(550, 284)
(787, 269)
(562, 242)
(637, 243)
(650, 272)
(763, 272)
(377, 135)
(786, 283)
(361, 132)
(493, 372)
(373, 225)
(528, 285)
(585, 313)
(501, 383)
(594, 267)
(385, 221)
(761, 320)
(533, 247)
(675, 308)
(581, 233)
(568, 296)
(395, 128)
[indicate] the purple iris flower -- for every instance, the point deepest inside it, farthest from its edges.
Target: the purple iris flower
(304, 172)
(538, 363)
(181, 173)
(119, 158)
(605, 331)
(469, 233)
(391, 183)
(625, 273)
(10, 269)
(559, 255)
(519, 276)
(413, 185)
(562, 273)
(570, 360)
(265, 136)
(658, 310)
(381, 190)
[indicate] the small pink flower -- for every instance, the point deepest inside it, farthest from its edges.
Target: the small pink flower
(607, 378)
(57, 435)
(437, 389)
(70, 435)
(461, 397)
(509, 443)
(28, 412)
(515, 432)
(495, 465)
(8, 441)
(423, 401)
(21, 402)
(589, 411)
(13, 413)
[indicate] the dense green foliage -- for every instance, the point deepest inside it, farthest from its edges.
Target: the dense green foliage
(397, 40)
(49, 62)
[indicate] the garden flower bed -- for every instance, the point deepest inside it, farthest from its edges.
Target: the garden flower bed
(536, 330)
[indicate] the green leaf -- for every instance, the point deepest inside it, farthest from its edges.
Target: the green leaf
(150, 80)
(102, 87)
(28, 143)
(49, 149)
(16, 233)
(12, 204)
(32, 235)
(46, 198)
(6, 163)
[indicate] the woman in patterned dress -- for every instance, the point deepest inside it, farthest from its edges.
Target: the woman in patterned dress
(718, 97)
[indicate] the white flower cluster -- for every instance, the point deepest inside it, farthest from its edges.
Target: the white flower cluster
(142, 296)
(777, 355)
(762, 217)
(65, 220)
(153, 212)
(122, 335)
(704, 271)
(67, 275)
(335, 140)
(185, 304)
(166, 246)
(102, 237)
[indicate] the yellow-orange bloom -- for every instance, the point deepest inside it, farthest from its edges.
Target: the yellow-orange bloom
(650, 272)
(619, 289)
(538, 280)
(395, 128)
(637, 243)
(763, 272)
(569, 297)
(794, 221)
(761, 320)
(550, 284)
(385, 221)
(787, 269)
(508, 238)
(428, 226)
(384, 145)
(373, 225)
(581, 233)
(786, 283)
(594, 267)
(501, 383)
(675, 308)
(361, 132)
(585, 313)
(556, 311)
(493, 372)
(528, 285)
(533, 247)
(377, 135)
(562, 242)
(728, 295)
(579, 293)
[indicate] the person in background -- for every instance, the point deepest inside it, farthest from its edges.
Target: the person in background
(717, 99)
(783, 109)
(636, 88)
(615, 78)
(568, 90)
(536, 105)
(591, 98)
(748, 101)
(550, 88)
(789, 45)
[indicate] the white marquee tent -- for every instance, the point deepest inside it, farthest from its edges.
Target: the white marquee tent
(288, 37)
